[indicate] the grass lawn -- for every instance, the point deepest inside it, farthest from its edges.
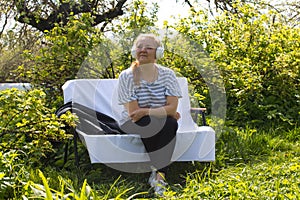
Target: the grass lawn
(250, 164)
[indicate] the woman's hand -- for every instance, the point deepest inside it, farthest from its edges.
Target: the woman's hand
(177, 116)
(138, 114)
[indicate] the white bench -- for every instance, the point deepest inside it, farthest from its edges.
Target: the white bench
(20, 86)
(193, 143)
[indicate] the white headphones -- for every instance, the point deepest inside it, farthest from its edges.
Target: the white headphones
(159, 52)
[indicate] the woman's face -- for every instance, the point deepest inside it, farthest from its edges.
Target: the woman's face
(146, 50)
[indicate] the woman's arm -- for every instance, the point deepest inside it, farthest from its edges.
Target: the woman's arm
(136, 113)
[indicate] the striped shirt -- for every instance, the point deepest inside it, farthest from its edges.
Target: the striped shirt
(148, 95)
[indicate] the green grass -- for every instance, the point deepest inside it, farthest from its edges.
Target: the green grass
(276, 177)
(250, 164)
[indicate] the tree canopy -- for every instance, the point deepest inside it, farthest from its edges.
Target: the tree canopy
(45, 15)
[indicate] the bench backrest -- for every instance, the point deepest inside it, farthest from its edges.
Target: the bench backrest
(101, 95)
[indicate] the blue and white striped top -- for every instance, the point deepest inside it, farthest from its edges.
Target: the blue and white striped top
(148, 95)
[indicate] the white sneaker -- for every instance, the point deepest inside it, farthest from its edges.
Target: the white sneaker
(160, 187)
(152, 178)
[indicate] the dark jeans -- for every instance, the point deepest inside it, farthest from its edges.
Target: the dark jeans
(158, 136)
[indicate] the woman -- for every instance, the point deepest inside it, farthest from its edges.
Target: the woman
(149, 93)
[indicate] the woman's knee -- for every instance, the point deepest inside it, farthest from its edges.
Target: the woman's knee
(171, 122)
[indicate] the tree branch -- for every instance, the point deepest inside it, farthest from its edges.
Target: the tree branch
(189, 3)
(62, 13)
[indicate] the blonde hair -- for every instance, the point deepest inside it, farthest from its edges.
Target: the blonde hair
(147, 35)
(135, 64)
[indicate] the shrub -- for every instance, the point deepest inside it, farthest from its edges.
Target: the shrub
(27, 130)
(27, 124)
(258, 59)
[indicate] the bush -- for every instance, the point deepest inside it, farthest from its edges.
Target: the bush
(27, 130)
(258, 60)
(27, 124)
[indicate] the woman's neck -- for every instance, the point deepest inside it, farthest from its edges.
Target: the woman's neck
(148, 72)
(147, 68)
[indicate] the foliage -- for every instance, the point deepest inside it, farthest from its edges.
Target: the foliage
(28, 130)
(262, 180)
(272, 172)
(141, 17)
(67, 190)
(12, 44)
(27, 125)
(34, 190)
(6, 14)
(258, 60)
(43, 15)
(64, 49)
(258, 56)
(12, 173)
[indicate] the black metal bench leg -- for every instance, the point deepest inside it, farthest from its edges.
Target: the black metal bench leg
(66, 152)
(203, 118)
(76, 149)
(196, 112)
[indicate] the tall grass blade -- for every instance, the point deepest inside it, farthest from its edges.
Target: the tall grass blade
(47, 189)
(83, 190)
(110, 189)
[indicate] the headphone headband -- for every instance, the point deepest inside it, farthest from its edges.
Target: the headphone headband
(158, 54)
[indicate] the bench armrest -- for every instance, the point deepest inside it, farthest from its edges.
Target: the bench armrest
(198, 111)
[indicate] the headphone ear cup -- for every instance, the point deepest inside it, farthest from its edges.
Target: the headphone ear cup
(133, 52)
(159, 52)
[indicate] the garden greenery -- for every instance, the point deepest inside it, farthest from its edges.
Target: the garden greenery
(259, 61)
(28, 131)
(257, 152)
